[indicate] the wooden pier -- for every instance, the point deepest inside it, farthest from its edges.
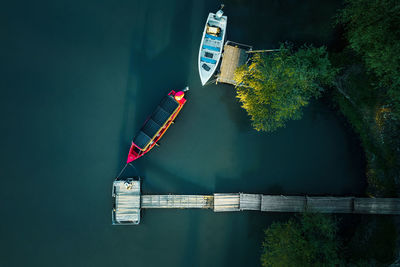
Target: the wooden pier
(128, 202)
(272, 203)
(233, 57)
(176, 202)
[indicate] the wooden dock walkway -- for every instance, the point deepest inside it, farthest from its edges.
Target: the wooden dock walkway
(176, 202)
(273, 203)
(234, 56)
(128, 202)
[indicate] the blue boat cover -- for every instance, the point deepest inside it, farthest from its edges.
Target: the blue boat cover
(208, 60)
(160, 116)
(169, 104)
(150, 128)
(213, 48)
(141, 140)
(213, 37)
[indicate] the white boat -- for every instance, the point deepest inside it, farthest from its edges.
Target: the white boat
(211, 45)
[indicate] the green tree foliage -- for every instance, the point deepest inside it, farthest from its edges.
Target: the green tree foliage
(309, 241)
(367, 111)
(274, 87)
(373, 31)
(373, 243)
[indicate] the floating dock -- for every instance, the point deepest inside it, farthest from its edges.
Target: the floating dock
(233, 57)
(128, 202)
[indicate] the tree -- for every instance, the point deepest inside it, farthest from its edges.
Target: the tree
(274, 87)
(373, 31)
(308, 241)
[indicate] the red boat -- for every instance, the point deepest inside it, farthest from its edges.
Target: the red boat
(157, 124)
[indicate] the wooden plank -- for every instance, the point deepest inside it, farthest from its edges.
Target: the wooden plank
(233, 57)
(283, 203)
(267, 203)
(250, 202)
(127, 201)
(377, 205)
(330, 204)
(175, 202)
(226, 202)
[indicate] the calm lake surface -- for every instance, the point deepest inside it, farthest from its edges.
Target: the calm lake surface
(78, 80)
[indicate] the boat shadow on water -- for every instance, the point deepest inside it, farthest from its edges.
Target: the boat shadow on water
(152, 76)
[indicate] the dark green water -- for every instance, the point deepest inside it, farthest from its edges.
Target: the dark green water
(78, 79)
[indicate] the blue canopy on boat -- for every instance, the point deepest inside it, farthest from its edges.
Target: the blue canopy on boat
(153, 125)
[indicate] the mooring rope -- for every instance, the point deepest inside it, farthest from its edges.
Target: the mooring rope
(123, 169)
(126, 165)
(134, 168)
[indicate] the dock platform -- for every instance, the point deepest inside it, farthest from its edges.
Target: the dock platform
(233, 57)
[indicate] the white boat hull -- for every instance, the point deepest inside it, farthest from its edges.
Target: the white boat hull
(211, 47)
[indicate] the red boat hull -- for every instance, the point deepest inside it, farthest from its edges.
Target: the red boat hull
(135, 151)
